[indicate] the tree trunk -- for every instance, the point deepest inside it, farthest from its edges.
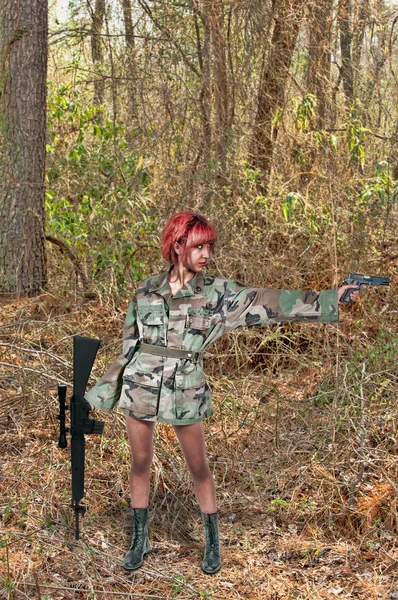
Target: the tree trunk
(379, 52)
(23, 71)
(393, 156)
(319, 56)
(347, 72)
(215, 11)
(362, 19)
(273, 80)
(97, 53)
(131, 70)
(203, 51)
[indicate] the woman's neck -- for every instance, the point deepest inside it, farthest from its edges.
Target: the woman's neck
(180, 275)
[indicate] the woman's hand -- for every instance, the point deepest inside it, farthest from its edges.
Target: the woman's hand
(353, 296)
(91, 411)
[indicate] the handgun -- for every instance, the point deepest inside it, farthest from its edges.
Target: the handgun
(359, 281)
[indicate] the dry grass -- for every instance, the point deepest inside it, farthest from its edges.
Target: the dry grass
(308, 501)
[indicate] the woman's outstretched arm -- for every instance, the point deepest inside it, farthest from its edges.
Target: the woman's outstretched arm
(247, 306)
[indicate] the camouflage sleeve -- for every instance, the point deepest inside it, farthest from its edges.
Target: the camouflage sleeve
(106, 391)
(247, 306)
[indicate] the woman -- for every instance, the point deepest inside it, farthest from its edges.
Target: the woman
(170, 322)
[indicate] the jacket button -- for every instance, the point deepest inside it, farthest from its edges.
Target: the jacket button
(189, 354)
(198, 288)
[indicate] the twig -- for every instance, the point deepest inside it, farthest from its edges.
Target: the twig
(362, 433)
(64, 363)
(82, 590)
(36, 578)
(79, 269)
(78, 31)
(167, 33)
(57, 379)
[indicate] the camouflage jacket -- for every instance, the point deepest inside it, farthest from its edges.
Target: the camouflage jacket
(175, 391)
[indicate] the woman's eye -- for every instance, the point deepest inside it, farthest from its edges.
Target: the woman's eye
(200, 246)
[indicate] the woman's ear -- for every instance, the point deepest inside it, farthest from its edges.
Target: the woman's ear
(176, 247)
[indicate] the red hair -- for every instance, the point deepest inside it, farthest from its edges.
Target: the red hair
(188, 229)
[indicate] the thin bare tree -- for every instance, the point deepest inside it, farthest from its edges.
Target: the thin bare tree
(131, 68)
(203, 43)
(97, 52)
(346, 41)
(319, 55)
(273, 79)
(215, 13)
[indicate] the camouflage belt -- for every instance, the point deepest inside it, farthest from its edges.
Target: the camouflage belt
(170, 352)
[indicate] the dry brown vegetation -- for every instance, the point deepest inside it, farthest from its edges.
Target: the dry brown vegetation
(303, 448)
(303, 444)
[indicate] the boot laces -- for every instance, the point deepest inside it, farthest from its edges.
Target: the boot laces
(138, 535)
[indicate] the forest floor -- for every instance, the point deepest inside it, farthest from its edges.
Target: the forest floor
(293, 525)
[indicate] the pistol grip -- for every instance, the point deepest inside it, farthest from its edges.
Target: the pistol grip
(346, 296)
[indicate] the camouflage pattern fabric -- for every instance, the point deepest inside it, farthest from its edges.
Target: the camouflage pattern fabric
(174, 390)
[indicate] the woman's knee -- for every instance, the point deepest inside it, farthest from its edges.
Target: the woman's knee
(140, 434)
(141, 463)
(200, 472)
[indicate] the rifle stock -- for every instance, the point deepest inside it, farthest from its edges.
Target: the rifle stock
(84, 353)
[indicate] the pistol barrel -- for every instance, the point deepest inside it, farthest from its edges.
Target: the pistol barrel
(368, 279)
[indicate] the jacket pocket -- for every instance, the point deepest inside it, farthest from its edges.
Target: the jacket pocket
(199, 319)
(197, 326)
(198, 323)
(190, 392)
(191, 403)
(141, 400)
(142, 379)
(189, 375)
(145, 369)
(152, 325)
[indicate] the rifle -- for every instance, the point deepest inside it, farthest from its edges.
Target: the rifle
(84, 352)
(359, 281)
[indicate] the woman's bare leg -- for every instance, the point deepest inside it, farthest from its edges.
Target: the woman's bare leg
(140, 434)
(192, 441)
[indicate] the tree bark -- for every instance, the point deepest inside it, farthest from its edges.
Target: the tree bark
(273, 80)
(393, 156)
(215, 12)
(347, 71)
(379, 52)
(203, 51)
(362, 18)
(97, 53)
(23, 71)
(319, 56)
(131, 69)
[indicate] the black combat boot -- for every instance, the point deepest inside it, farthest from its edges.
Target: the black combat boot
(140, 542)
(211, 562)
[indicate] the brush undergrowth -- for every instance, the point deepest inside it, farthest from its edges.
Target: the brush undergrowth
(303, 443)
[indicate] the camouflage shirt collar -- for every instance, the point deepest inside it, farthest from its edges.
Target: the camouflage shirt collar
(194, 286)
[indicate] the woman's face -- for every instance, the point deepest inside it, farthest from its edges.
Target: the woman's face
(196, 258)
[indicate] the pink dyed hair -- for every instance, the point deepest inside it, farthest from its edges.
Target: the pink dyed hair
(188, 229)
